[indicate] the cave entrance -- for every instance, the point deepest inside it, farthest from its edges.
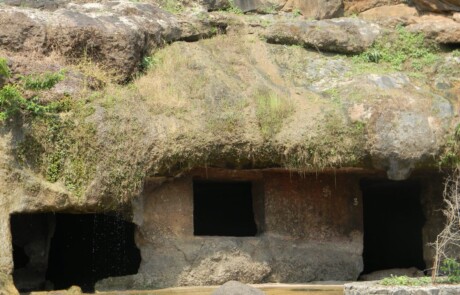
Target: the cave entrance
(223, 209)
(56, 251)
(393, 221)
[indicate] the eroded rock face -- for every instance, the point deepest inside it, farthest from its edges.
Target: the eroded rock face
(316, 9)
(391, 15)
(357, 6)
(438, 5)
(343, 35)
(116, 34)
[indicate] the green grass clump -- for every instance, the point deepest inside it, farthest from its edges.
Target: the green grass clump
(271, 111)
(43, 81)
(404, 49)
(405, 281)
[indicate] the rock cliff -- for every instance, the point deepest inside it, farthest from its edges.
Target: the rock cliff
(98, 96)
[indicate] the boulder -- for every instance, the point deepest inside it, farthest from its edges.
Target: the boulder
(439, 28)
(236, 288)
(437, 5)
(115, 34)
(317, 9)
(391, 15)
(343, 35)
(357, 6)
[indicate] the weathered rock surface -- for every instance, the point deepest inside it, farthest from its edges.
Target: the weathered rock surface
(236, 288)
(116, 34)
(442, 29)
(343, 35)
(437, 5)
(391, 15)
(317, 9)
(357, 6)
(364, 288)
(6, 285)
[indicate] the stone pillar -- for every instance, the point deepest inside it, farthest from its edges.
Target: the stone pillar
(6, 248)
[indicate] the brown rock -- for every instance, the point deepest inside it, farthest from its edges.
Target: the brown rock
(316, 9)
(357, 6)
(390, 15)
(114, 34)
(343, 35)
(439, 28)
(437, 5)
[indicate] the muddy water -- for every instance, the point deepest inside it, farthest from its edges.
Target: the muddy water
(269, 290)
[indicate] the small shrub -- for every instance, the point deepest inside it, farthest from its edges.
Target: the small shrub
(271, 110)
(42, 81)
(4, 69)
(296, 12)
(451, 268)
(11, 102)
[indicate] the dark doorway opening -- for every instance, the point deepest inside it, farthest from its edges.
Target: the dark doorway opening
(71, 249)
(223, 209)
(393, 221)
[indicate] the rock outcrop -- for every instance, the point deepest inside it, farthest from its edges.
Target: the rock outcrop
(441, 29)
(438, 5)
(342, 35)
(317, 9)
(116, 34)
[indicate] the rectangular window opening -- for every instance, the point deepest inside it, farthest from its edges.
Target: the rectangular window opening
(223, 209)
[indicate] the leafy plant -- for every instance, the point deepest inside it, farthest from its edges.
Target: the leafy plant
(4, 69)
(42, 81)
(451, 268)
(296, 12)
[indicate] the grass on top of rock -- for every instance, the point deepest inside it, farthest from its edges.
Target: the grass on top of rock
(402, 50)
(405, 281)
(271, 111)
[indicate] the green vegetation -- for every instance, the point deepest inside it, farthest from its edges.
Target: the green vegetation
(4, 70)
(271, 111)
(13, 102)
(450, 156)
(403, 50)
(232, 8)
(172, 6)
(451, 268)
(405, 281)
(296, 12)
(42, 81)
